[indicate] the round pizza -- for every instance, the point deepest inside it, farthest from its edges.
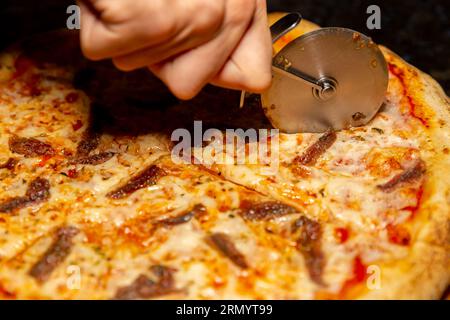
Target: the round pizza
(95, 203)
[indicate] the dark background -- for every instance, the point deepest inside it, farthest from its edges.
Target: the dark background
(418, 30)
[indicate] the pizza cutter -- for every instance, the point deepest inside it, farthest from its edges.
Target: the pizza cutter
(330, 78)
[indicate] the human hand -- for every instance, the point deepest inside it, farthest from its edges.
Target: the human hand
(187, 44)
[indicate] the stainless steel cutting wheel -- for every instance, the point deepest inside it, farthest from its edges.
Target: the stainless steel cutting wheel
(330, 78)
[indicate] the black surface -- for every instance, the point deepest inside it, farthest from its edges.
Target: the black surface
(418, 30)
(167, 309)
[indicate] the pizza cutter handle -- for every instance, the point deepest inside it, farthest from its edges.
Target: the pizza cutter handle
(284, 25)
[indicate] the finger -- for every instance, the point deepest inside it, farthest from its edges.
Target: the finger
(151, 55)
(107, 30)
(88, 21)
(188, 73)
(249, 67)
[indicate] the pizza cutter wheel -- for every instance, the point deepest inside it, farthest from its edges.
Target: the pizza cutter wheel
(330, 78)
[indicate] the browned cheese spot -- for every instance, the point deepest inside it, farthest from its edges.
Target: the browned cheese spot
(145, 288)
(225, 245)
(55, 255)
(30, 147)
(146, 178)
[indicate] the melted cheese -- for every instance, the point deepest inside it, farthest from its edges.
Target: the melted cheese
(118, 239)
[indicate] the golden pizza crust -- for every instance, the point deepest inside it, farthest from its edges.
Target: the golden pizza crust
(305, 26)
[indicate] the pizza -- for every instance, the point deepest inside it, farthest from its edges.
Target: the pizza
(94, 205)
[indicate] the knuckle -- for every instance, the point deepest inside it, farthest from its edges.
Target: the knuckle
(209, 16)
(243, 12)
(183, 90)
(115, 12)
(122, 64)
(258, 77)
(153, 21)
(183, 93)
(260, 83)
(89, 49)
(248, 6)
(166, 27)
